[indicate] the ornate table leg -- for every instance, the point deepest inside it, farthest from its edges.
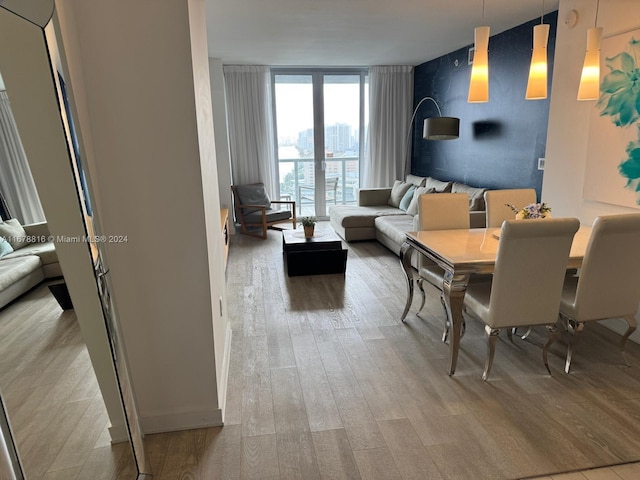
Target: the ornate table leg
(454, 289)
(406, 251)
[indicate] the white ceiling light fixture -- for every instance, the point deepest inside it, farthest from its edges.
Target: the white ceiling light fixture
(537, 83)
(479, 82)
(589, 88)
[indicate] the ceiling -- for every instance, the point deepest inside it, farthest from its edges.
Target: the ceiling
(354, 32)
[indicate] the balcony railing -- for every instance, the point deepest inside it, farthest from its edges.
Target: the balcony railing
(297, 182)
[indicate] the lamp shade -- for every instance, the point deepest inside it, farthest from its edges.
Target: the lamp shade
(537, 84)
(441, 128)
(590, 80)
(479, 83)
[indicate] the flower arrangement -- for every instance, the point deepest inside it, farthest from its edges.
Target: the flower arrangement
(533, 210)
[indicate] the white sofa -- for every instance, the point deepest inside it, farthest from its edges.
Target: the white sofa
(27, 266)
(379, 214)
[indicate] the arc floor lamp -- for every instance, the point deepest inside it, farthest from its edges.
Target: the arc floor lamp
(434, 128)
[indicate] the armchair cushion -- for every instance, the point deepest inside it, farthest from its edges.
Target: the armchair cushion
(255, 217)
(253, 194)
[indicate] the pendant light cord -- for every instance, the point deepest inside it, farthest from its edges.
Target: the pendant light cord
(597, 9)
(542, 15)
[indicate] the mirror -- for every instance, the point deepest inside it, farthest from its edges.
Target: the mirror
(34, 71)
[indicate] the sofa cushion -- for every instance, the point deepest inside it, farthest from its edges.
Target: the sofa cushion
(406, 200)
(5, 247)
(476, 195)
(412, 209)
(416, 180)
(12, 231)
(351, 216)
(397, 192)
(46, 251)
(439, 186)
(394, 228)
(13, 269)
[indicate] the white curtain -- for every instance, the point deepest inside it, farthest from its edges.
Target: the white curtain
(16, 182)
(390, 102)
(251, 133)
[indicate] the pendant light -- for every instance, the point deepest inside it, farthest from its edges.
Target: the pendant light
(590, 79)
(537, 84)
(479, 83)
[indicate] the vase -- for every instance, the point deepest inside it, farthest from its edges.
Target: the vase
(308, 231)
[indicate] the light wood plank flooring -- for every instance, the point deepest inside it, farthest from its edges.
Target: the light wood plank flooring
(326, 383)
(52, 395)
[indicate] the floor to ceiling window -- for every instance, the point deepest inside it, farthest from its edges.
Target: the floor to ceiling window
(321, 121)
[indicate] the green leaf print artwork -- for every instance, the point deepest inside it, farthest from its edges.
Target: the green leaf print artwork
(620, 99)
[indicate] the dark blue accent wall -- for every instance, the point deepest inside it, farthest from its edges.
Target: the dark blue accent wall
(500, 141)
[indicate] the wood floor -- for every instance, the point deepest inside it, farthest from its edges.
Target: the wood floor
(52, 395)
(326, 383)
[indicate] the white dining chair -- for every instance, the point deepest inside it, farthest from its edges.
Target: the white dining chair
(609, 282)
(442, 211)
(496, 202)
(527, 282)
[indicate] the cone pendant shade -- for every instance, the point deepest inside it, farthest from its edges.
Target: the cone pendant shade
(590, 80)
(479, 83)
(537, 84)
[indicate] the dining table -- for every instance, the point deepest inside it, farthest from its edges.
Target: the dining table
(461, 254)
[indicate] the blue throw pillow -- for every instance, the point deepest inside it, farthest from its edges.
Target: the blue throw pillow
(406, 200)
(5, 247)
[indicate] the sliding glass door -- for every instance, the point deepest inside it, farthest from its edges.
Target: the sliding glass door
(320, 118)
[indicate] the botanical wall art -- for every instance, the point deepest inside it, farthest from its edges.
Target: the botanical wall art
(613, 158)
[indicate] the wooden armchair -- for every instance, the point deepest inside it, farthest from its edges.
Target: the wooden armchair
(254, 210)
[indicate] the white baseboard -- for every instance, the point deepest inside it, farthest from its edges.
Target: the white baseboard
(181, 421)
(224, 381)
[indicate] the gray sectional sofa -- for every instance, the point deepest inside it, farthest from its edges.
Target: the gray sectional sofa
(29, 263)
(386, 214)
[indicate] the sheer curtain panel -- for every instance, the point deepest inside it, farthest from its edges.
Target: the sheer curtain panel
(16, 182)
(251, 134)
(390, 101)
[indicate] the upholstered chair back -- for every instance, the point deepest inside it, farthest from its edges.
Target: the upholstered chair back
(609, 282)
(443, 211)
(529, 272)
(496, 204)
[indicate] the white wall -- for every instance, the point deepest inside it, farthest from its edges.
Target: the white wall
(221, 131)
(568, 133)
(147, 103)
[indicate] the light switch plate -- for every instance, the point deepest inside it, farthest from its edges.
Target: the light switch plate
(541, 164)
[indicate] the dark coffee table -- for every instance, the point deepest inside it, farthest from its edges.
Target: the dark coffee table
(320, 254)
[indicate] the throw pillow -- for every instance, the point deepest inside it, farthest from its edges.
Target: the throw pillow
(406, 200)
(416, 180)
(397, 192)
(439, 185)
(476, 195)
(412, 209)
(12, 231)
(5, 247)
